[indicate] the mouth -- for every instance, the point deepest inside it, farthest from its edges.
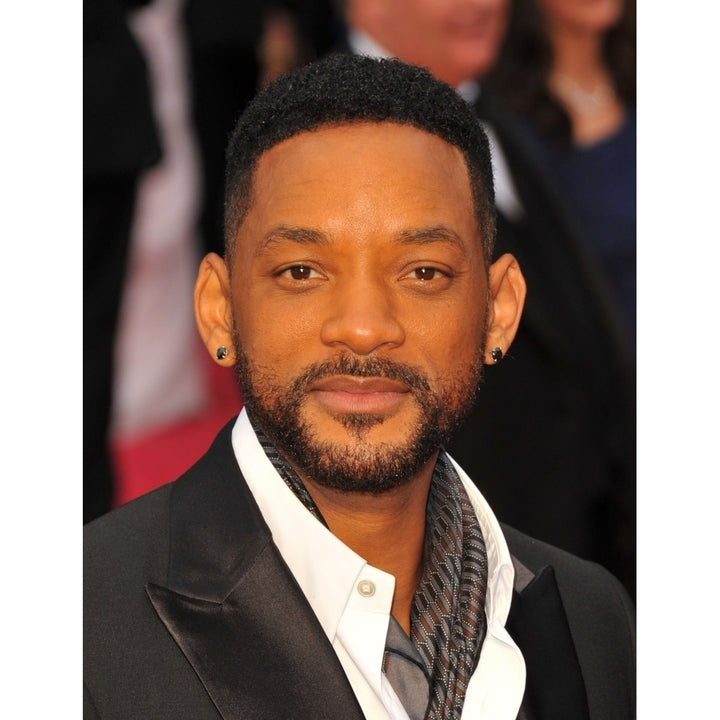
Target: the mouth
(346, 394)
(474, 26)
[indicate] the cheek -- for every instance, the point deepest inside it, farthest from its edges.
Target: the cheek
(451, 344)
(276, 339)
(465, 349)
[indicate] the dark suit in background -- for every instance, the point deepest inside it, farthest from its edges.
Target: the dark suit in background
(119, 142)
(191, 612)
(551, 442)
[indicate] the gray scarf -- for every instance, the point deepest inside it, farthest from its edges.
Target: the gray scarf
(448, 614)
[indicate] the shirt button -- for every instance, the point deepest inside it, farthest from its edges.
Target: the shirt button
(366, 588)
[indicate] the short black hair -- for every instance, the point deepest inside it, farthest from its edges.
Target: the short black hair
(341, 89)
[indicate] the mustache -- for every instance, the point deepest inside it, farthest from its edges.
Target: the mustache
(362, 367)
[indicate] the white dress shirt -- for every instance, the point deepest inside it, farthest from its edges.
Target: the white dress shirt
(352, 599)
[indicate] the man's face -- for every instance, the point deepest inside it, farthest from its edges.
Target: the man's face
(358, 294)
(456, 40)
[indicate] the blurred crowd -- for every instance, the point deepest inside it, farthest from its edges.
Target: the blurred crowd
(553, 82)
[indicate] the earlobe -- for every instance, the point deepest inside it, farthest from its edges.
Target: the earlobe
(507, 298)
(213, 313)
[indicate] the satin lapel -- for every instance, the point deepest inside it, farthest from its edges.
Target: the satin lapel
(261, 652)
(234, 608)
(555, 687)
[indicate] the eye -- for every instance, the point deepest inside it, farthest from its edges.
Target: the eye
(426, 273)
(299, 272)
(428, 278)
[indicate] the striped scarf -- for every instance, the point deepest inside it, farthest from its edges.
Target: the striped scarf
(448, 614)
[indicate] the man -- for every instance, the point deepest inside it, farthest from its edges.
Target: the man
(326, 558)
(552, 439)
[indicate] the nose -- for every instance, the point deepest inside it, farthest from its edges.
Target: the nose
(362, 316)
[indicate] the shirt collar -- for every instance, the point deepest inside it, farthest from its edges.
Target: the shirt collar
(501, 572)
(326, 569)
(362, 44)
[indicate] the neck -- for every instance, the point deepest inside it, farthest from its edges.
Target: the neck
(577, 54)
(388, 530)
(581, 82)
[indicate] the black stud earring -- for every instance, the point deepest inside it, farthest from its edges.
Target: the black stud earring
(496, 354)
(221, 353)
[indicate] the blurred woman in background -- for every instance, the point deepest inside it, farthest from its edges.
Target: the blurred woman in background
(567, 72)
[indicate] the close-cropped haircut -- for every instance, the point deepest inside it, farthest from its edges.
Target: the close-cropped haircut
(341, 89)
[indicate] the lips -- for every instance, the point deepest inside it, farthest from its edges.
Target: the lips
(362, 385)
(364, 395)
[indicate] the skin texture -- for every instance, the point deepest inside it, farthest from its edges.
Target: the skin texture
(594, 16)
(358, 298)
(456, 40)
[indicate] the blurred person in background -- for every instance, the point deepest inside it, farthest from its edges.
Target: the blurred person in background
(552, 436)
(151, 390)
(567, 68)
(120, 141)
(234, 48)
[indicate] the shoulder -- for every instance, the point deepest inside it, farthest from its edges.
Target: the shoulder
(141, 527)
(579, 581)
(126, 548)
(600, 616)
(130, 522)
(131, 664)
(596, 603)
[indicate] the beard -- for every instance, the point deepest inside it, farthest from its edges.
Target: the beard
(358, 465)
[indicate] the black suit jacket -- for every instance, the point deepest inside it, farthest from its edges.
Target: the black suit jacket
(191, 612)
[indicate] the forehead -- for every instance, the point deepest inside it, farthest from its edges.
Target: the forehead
(344, 172)
(409, 142)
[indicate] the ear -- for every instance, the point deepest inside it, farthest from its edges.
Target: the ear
(507, 297)
(213, 310)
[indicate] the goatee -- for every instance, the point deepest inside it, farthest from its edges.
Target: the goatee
(360, 466)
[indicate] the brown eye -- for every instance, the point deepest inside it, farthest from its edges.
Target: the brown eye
(425, 273)
(300, 272)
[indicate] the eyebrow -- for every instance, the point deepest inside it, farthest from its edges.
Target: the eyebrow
(310, 236)
(300, 235)
(437, 233)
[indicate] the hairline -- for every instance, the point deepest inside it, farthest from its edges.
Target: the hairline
(244, 187)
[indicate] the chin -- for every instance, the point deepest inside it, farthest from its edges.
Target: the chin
(470, 66)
